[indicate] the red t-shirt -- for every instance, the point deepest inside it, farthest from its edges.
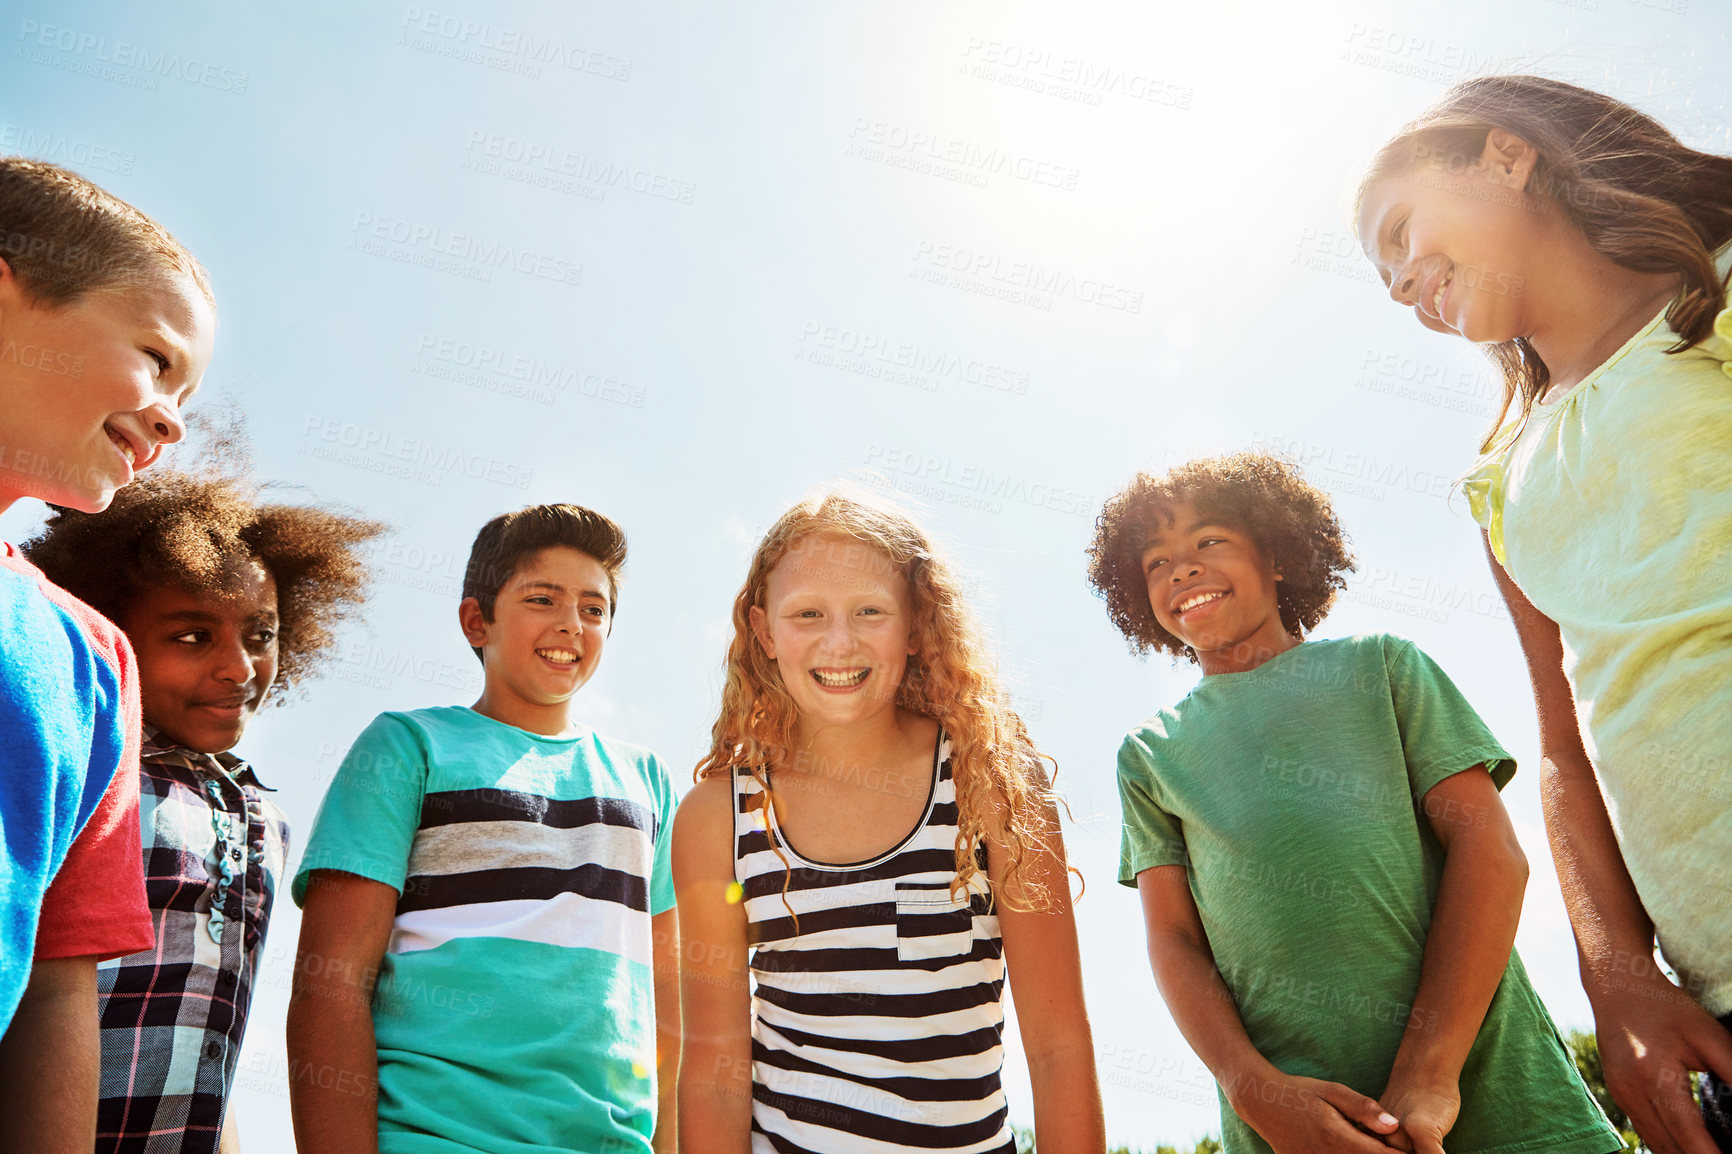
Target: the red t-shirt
(96, 904)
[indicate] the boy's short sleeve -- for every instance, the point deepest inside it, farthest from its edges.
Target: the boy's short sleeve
(661, 887)
(1151, 836)
(97, 906)
(1441, 735)
(70, 725)
(367, 822)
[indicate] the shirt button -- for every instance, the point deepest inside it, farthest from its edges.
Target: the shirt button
(213, 1050)
(225, 978)
(233, 909)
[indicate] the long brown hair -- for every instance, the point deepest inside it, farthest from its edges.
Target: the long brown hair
(1643, 199)
(1001, 792)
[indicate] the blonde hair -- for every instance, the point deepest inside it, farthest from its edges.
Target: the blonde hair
(1643, 199)
(1001, 791)
(66, 237)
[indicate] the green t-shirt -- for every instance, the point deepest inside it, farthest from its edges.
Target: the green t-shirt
(515, 1006)
(1289, 793)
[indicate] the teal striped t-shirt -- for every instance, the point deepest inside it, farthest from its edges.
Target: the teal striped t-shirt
(514, 1010)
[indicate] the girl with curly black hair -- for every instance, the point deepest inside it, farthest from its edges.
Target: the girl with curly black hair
(228, 601)
(1329, 879)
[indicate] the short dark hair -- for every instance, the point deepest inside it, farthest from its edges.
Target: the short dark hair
(506, 540)
(1267, 498)
(65, 237)
(190, 530)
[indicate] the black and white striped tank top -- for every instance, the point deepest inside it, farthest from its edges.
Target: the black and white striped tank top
(877, 1026)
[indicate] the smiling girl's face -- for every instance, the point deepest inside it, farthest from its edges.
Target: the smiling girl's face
(1462, 243)
(92, 389)
(837, 620)
(205, 661)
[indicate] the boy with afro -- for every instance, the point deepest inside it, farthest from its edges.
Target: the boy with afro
(1330, 883)
(228, 602)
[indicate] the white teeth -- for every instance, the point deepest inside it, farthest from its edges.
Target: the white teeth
(565, 655)
(1191, 603)
(1437, 297)
(125, 446)
(840, 680)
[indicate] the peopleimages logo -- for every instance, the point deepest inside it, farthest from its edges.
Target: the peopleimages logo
(62, 149)
(918, 149)
(1070, 77)
(496, 154)
(540, 378)
(934, 471)
(418, 459)
(99, 50)
(926, 362)
(417, 243)
(1041, 282)
(430, 29)
(43, 360)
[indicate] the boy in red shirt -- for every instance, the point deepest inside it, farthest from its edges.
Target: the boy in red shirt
(105, 330)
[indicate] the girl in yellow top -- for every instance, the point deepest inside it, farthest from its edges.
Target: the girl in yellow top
(1586, 250)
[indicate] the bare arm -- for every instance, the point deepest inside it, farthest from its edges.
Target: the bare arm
(715, 1086)
(666, 952)
(1292, 1114)
(1650, 1032)
(50, 1105)
(1607, 916)
(333, 1055)
(231, 1136)
(1041, 956)
(1467, 949)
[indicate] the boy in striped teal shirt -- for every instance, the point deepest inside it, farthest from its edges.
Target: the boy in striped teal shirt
(488, 912)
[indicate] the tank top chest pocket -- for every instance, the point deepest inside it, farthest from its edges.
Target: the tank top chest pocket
(932, 924)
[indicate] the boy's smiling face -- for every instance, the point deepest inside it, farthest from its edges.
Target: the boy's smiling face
(550, 623)
(93, 388)
(1212, 587)
(205, 662)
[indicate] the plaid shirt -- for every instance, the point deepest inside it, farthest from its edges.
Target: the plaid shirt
(172, 1017)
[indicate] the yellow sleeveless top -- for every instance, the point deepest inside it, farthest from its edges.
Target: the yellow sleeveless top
(1611, 509)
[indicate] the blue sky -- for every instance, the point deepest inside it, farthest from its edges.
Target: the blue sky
(686, 265)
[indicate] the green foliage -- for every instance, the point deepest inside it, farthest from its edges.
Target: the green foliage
(1585, 1049)
(1025, 1145)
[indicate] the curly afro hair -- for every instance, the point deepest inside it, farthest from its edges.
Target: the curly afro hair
(192, 530)
(1263, 496)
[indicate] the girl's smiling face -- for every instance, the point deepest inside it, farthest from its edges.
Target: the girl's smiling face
(1215, 590)
(92, 389)
(205, 662)
(837, 620)
(1461, 242)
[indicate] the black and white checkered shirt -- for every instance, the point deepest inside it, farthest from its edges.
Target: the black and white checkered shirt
(172, 1017)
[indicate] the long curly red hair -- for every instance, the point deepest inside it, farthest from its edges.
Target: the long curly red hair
(1002, 792)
